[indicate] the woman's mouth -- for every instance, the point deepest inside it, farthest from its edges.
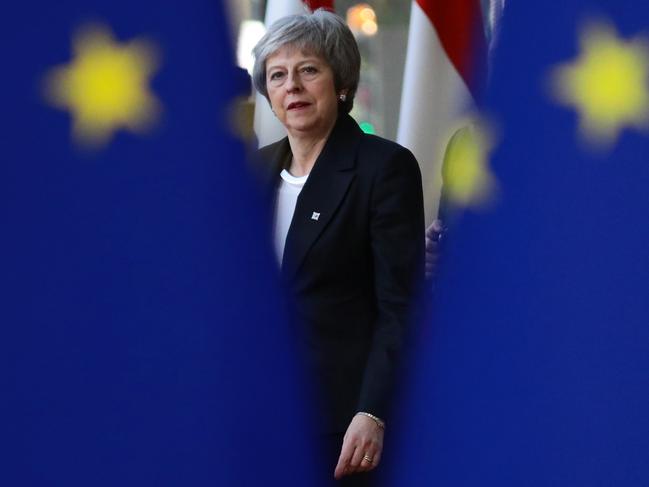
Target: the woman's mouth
(297, 105)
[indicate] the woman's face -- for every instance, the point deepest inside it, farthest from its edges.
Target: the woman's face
(301, 91)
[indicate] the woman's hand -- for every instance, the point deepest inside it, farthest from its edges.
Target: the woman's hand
(363, 440)
(434, 235)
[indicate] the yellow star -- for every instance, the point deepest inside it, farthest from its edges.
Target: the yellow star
(105, 86)
(465, 170)
(608, 84)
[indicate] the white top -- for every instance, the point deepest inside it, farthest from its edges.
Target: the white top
(287, 193)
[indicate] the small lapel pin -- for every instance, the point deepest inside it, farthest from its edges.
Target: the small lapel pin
(315, 216)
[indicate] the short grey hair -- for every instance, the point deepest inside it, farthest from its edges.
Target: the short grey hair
(321, 33)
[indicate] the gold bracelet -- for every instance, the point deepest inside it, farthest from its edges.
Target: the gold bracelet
(379, 422)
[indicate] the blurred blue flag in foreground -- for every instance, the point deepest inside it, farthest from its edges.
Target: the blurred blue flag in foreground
(142, 339)
(535, 367)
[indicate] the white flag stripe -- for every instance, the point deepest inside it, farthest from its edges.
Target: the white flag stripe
(435, 102)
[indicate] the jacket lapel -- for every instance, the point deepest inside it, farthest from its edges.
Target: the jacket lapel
(322, 194)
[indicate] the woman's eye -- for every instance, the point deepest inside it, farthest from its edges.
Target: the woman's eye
(276, 75)
(309, 70)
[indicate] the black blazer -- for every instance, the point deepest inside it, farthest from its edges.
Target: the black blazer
(352, 260)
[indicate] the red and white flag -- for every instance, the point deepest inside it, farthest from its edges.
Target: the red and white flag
(267, 127)
(443, 72)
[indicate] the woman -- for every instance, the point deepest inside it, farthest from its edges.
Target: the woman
(349, 230)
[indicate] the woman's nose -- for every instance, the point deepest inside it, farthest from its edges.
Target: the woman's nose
(293, 82)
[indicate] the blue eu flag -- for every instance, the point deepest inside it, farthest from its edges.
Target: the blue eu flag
(143, 341)
(534, 368)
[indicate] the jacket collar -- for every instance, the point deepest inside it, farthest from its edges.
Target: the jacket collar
(339, 150)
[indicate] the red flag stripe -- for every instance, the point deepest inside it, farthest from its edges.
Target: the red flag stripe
(458, 24)
(316, 4)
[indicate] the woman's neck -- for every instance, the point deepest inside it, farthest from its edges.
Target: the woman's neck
(306, 150)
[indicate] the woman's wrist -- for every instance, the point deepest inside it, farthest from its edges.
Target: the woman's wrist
(379, 422)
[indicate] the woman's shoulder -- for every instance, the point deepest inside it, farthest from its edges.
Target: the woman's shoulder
(377, 143)
(273, 150)
(275, 155)
(380, 152)
(350, 133)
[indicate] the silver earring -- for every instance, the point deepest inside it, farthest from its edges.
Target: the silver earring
(342, 97)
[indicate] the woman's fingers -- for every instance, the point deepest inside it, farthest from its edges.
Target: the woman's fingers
(368, 460)
(434, 234)
(345, 457)
(357, 462)
(376, 459)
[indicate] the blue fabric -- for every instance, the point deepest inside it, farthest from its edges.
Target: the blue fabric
(142, 338)
(532, 369)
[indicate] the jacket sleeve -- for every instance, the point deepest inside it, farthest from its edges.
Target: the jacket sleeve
(397, 243)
